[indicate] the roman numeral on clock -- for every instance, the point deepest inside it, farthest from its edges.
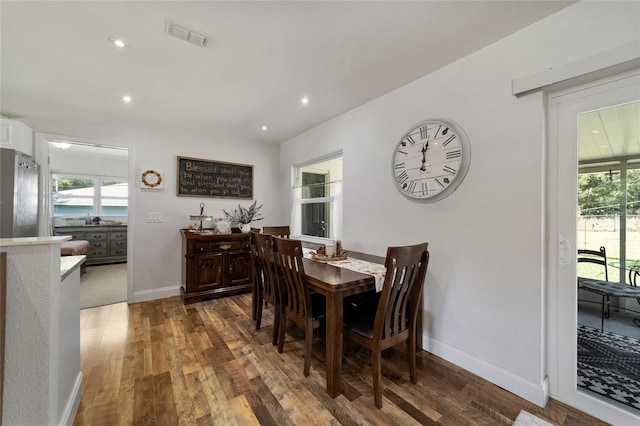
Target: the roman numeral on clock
(412, 186)
(449, 170)
(399, 166)
(402, 177)
(424, 132)
(439, 183)
(454, 154)
(409, 139)
(445, 143)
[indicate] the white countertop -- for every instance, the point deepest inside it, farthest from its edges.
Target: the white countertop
(69, 263)
(30, 241)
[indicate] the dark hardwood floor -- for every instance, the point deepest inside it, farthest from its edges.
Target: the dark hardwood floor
(164, 363)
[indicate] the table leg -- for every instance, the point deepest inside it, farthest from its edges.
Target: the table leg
(334, 343)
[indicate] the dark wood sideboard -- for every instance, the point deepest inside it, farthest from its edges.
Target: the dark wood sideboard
(215, 265)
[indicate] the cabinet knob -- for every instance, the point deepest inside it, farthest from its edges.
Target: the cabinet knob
(225, 246)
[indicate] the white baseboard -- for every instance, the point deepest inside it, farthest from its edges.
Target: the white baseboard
(156, 293)
(537, 393)
(71, 407)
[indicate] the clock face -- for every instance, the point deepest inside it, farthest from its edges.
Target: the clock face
(431, 160)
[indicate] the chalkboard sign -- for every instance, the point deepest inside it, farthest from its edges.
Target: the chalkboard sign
(204, 178)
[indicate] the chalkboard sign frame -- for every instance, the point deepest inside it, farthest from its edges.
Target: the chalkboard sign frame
(208, 170)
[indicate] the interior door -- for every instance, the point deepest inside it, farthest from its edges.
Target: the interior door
(564, 109)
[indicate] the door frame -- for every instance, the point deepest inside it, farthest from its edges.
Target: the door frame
(563, 108)
(42, 157)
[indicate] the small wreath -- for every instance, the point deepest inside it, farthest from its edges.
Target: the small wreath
(158, 178)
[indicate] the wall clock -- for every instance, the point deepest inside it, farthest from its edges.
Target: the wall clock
(431, 160)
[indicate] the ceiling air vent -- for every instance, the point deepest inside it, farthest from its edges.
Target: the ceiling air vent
(187, 34)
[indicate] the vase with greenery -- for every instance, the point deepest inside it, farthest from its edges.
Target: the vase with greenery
(242, 216)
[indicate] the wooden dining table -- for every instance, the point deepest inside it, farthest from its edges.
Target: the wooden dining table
(335, 284)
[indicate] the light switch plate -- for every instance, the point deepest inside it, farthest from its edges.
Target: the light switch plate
(154, 217)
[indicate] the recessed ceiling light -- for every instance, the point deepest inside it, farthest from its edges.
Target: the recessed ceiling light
(126, 99)
(305, 100)
(118, 42)
(595, 131)
(264, 127)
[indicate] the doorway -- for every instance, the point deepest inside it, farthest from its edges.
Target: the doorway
(565, 110)
(86, 189)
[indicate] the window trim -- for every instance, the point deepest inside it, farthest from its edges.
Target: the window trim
(298, 201)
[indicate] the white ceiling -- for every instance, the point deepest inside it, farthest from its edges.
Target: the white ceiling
(610, 134)
(57, 62)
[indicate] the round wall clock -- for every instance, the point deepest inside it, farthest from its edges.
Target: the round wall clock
(431, 159)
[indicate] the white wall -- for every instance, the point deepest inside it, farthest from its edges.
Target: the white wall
(61, 161)
(157, 256)
(155, 248)
(484, 305)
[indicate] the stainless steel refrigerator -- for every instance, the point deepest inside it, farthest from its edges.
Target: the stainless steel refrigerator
(19, 176)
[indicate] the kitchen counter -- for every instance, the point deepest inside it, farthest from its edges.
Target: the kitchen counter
(30, 241)
(43, 379)
(68, 264)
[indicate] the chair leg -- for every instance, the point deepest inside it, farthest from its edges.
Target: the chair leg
(376, 369)
(254, 302)
(276, 324)
(283, 325)
(412, 357)
(259, 308)
(308, 337)
(602, 318)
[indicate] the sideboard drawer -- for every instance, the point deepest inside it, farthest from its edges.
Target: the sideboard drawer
(222, 246)
(97, 251)
(96, 236)
(119, 236)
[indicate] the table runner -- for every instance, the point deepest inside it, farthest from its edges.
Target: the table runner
(377, 270)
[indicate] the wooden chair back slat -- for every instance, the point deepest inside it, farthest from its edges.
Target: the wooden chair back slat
(277, 231)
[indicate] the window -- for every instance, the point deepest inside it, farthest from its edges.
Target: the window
(317, 195)
(89, 195)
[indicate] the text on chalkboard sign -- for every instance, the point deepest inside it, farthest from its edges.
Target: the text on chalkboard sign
(205, 178)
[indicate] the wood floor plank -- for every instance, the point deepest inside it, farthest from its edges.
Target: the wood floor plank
(143, 401)
(165, 406)
(198, 398)
(164, 363)
(242, 411)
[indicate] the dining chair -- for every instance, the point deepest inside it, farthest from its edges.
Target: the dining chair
(394, 318)
(267, 285)
(298, 304)
(278, 231)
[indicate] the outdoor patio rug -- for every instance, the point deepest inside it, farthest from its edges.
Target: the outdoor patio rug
(609, 365)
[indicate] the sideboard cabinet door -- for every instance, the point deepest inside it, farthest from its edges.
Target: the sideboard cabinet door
(240, 271)
(208, 272)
